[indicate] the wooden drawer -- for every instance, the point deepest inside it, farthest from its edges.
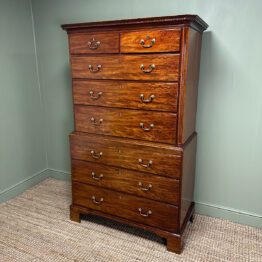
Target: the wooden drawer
(144, 41)
(137, 209)
(134, 95)
(141, 184)
(160, 159)
(137, 124)
(166, 67)
(94, 43)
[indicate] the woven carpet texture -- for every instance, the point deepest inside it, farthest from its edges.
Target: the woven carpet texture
(35, 226)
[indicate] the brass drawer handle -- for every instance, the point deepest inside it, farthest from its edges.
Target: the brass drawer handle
(149, 70)
(94, 70)
(97, 177)
(148, 165)
(143, 188)
(150, 99)
(149, 212)
(96, 122)
(96, 155)
(97, 202)
(146, 128)
(143, 44)
(93, 44)
(91, 93)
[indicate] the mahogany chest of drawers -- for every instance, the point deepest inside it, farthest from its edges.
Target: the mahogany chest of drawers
(134, 145)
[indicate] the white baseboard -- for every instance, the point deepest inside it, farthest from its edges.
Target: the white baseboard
(23, 185)
(59, 174)
(238, 216)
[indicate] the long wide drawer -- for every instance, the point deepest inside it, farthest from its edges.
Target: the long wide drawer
(129, 67)
(136, 124)
(141, 184)
(135, 95)
(137, 155)
(137, 209)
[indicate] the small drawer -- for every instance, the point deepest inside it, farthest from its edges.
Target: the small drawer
(94, 43)
(137, 183)
(163, 67)
(134, 95)
(136, 124)
(159, 159)
(145, 41)
(130, 207)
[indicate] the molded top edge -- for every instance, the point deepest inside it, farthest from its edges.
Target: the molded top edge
(193, 21)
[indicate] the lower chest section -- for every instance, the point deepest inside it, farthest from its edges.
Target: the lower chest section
(135, 180)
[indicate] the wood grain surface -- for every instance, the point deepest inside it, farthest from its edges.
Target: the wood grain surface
(124, 94)
(94, 43)
(165, 162)
(127, 206)
(127, 67)
(137, 183)
(136, 124)
(147, 41)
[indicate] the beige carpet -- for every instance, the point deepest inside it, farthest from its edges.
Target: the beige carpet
(35, 227)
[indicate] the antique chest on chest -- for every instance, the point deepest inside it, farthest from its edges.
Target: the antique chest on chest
(134, 145)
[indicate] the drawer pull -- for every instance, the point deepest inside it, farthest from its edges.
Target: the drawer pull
(96, 122)
(149, 70)
(96, 155)
(146, 128)
(93, 44)
(150, 99)
(142, 42)
(143, 188)
(94, 70)
(149, 212)
(97, 177)
(91, 93)
(97, 202)
(148, 165)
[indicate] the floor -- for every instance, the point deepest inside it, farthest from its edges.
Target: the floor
(35, 227)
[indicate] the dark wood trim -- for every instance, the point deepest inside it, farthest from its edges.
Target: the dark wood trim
(189, 217)
(193, 21)
(175, 150)
(183, 75)
(189, 71)
(174, 241)
(74, 214)
(189, 140)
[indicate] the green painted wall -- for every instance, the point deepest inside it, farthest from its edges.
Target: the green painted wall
(22, 147)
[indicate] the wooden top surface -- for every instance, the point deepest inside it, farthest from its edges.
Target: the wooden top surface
(193, 21)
